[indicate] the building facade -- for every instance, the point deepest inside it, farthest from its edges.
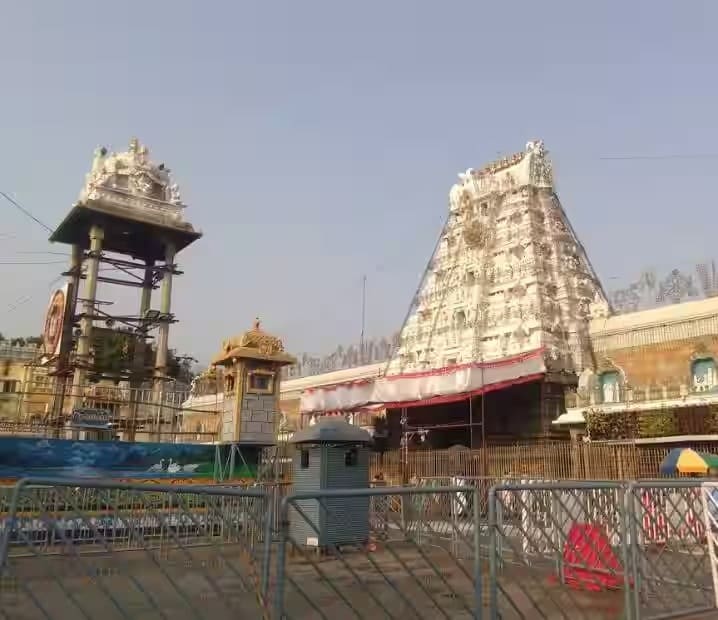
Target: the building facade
(15, 373)
(654, 375)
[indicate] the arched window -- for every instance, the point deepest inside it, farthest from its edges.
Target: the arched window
(610, 385)
(703, 372)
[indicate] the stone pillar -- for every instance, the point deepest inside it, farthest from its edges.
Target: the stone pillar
(138, 362)
(146, 297)
(165, 307)
(163, 335)
(90, 293)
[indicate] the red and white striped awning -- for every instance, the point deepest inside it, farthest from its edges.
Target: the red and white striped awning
(427, 387)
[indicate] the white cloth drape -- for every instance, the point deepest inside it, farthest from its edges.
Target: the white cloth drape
(420, 386)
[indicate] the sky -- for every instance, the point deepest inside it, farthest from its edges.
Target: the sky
(316, 142)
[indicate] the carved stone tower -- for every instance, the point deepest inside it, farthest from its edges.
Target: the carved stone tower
(129, 216)
(251, 362)
(508, 278)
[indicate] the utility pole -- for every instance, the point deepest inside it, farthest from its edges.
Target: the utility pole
(363, 319)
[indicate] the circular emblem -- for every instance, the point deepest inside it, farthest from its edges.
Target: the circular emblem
(53, 322)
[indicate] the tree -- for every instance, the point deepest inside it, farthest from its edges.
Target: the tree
(180, 367)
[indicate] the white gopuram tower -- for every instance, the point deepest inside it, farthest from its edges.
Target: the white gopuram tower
(506, 299)
(508, 278)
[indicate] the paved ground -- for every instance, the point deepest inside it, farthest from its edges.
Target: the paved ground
(397, 580)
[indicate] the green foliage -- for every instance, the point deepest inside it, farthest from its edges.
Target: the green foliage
(648, 424)
(711, 420)
(618, 425)
(658, 423)
(180, 367)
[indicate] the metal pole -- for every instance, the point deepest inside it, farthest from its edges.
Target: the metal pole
(478, 578)
(405, 442)
(281, 559)
(483, 407)
(484, 455)
(493, 557)
(363, 319)
(471, 422)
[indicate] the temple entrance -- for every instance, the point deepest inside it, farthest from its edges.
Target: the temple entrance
(515, 413)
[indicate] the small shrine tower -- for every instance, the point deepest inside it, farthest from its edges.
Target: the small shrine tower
(130, 216)
(251, 364)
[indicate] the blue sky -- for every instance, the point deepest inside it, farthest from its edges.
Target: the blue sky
(316, 141)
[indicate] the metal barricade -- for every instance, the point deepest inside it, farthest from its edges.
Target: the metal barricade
(410, 570)
(89, 549)
(561, 554)
(709, 502)
(669, 552)
(446, 548)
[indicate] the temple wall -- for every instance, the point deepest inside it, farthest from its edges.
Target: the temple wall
(657, 347)
(259, 413)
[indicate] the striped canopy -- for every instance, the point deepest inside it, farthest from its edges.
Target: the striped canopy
(687, 461)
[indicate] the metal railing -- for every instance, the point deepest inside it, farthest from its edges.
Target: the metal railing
(552, 460)
(639, 394)
(89, 549)
(447, 548)
(599, 550)
(405, 565)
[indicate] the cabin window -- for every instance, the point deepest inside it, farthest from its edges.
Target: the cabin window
(351, 457)
(260, 382)
(305, 459)
(704, 374)
(610, 383)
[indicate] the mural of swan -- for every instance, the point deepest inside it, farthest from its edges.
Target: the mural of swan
(173, 468)
(158, 466)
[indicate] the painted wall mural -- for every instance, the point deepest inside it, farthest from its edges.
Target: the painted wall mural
(22, 457)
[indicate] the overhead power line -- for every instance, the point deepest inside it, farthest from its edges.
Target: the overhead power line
(654, 157)
(42, 252)
(45, 262)
(25, 212)
(22, 300)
